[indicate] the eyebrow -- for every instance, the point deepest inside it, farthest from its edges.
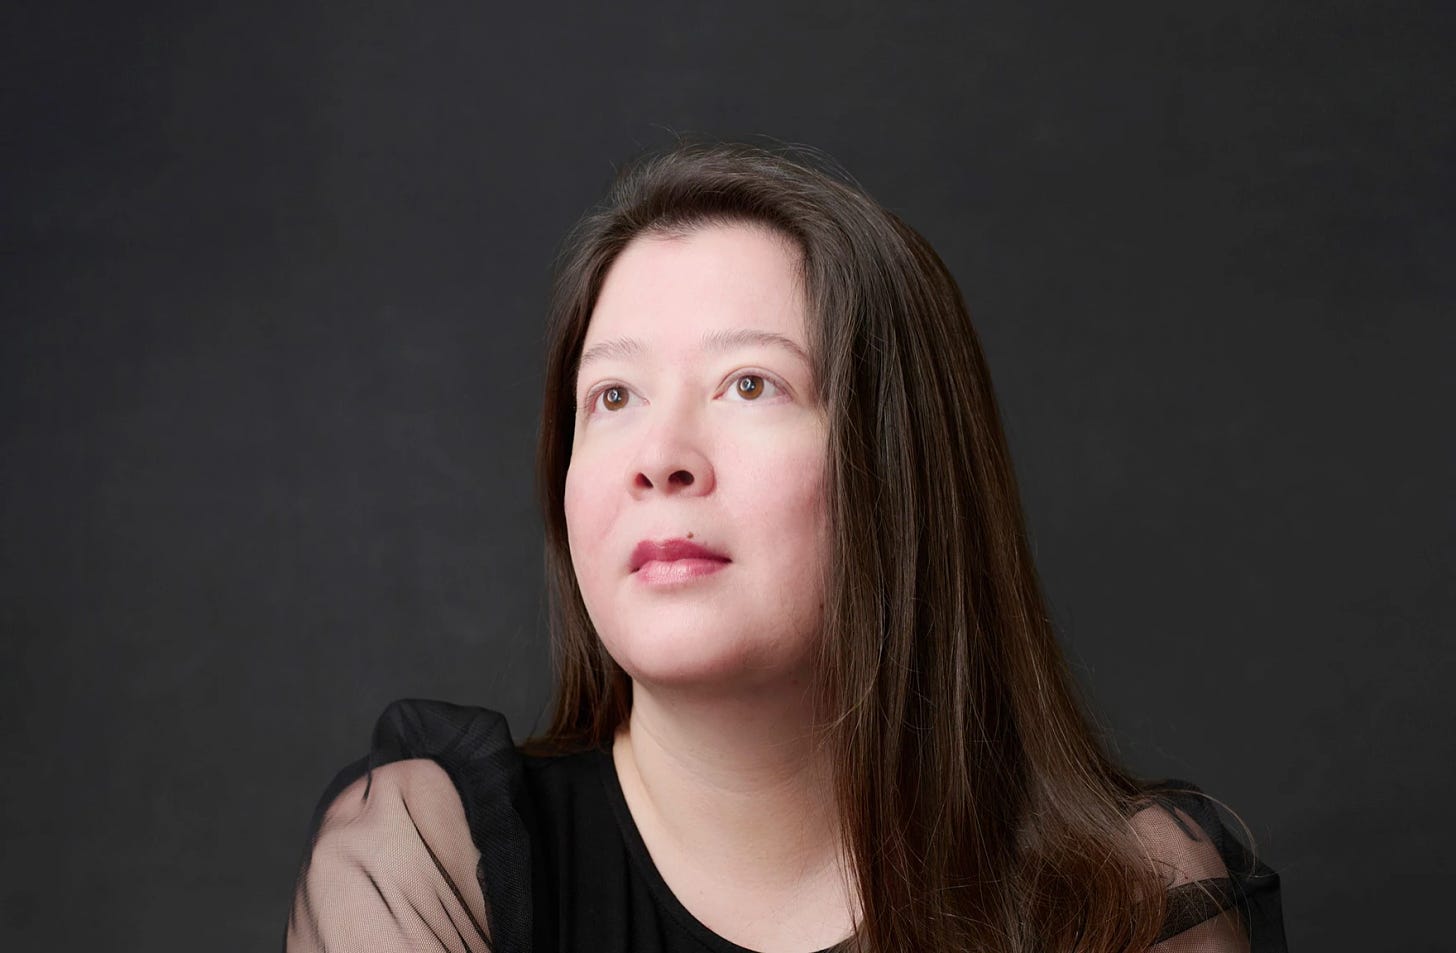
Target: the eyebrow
(712, 341)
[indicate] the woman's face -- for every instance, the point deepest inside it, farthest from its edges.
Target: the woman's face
(697, 422)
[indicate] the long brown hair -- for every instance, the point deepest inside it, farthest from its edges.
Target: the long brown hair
(980, 808)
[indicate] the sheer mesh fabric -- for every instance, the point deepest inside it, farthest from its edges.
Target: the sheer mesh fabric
(1211, 908)
(423, 846)
(401, 839)
(393, 868)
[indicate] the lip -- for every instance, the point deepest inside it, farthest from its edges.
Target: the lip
(672, 562)
(669, 551)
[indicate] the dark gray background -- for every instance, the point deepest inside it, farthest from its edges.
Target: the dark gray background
(272, 295)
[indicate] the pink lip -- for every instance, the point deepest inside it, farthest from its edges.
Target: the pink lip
(675, 559)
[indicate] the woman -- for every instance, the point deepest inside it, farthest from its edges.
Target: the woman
(808, 695)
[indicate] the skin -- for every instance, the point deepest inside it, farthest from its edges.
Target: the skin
(731, 796)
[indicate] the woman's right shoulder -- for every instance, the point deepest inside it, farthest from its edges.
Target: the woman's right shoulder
(392, 867)
(394, 859)
(401, 790)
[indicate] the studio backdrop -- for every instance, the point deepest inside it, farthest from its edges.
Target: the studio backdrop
(273, 292)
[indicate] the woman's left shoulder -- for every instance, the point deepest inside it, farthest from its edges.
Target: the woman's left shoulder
(1221, 894)
(1180, 835)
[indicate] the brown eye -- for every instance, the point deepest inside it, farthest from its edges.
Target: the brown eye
(614, 398)
(750, 386)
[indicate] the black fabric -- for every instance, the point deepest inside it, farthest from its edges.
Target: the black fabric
(560, 865)
(1251, 889)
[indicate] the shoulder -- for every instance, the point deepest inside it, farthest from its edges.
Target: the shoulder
(391, 867)
(1220, 896)
(398, 801)
(400, 839)
(1177, 844)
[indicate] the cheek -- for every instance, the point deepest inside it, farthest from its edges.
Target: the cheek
(785, 502)
(586, 517)
(571, 499)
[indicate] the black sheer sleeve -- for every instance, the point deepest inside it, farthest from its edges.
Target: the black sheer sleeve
(1221, 899)
(398, 860)
(423, 846)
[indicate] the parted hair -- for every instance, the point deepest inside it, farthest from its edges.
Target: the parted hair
(981, 809)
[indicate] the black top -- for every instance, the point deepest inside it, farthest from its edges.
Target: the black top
(542, 854)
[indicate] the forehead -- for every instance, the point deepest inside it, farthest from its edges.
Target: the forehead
(667, 291)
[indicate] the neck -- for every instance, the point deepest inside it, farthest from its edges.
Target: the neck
(735, 777)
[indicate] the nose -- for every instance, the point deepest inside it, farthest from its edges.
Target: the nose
(670, 460)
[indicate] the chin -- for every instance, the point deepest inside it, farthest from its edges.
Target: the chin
(669, 658)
